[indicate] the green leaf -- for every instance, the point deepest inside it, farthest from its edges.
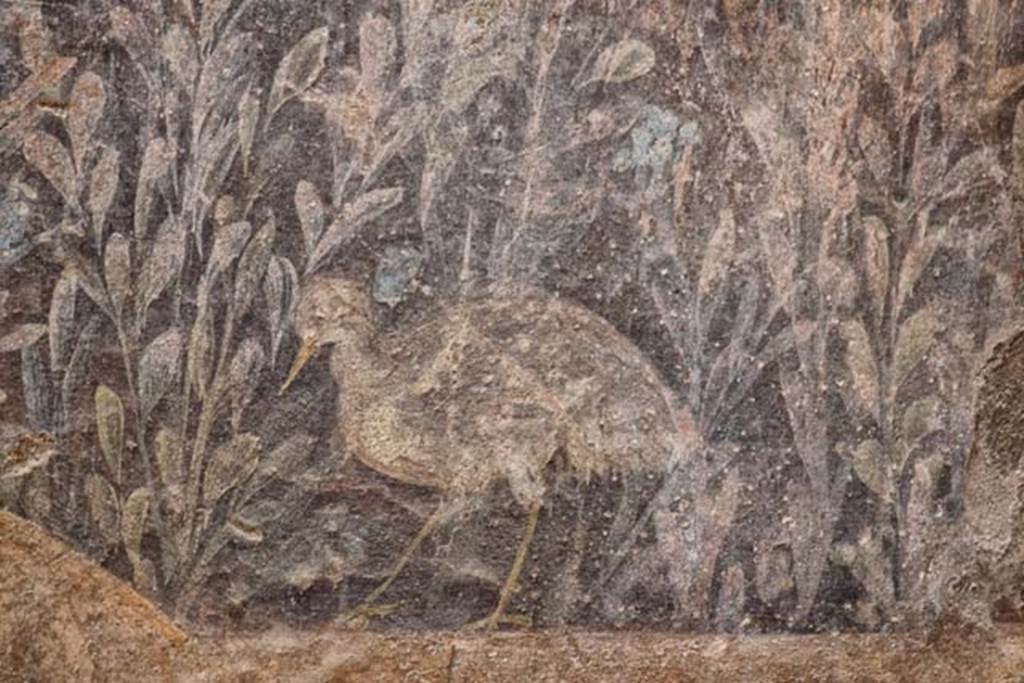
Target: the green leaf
(365, 208)
(921, 418)
(916, 336)
(230, 465)
(85, 108)
(775, 573)
(117, 269)
(299, 69)
(624, 61)
(466, 77)
(868, 464)
(102, 186)
(89, 280)
(876, 261)
(36, 388)
(110, 428)
(179, 53)
(242, 377)
(310, 210)
(860, 358)
(170, 467)
(158, 369)
(780, 256)
(376, 52)
(251, 268)
(280, 287)
(128, 28)
(200, 351)
(61, 318)
(38, 497)
(166, 255)
(282, 462)
(133, 526)
(22, 336)
(49, 156)
(103, 508)
(719, 252)
(156, 161)
(228, 241)
(248, 119)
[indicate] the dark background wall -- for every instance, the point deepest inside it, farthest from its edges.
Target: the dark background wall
(802, 217)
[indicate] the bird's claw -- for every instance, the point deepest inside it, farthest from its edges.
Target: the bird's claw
(359, 618)
(494, 621)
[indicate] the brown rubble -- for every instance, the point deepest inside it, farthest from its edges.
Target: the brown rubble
(63, 618)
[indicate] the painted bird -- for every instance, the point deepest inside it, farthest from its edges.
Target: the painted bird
(496, 387)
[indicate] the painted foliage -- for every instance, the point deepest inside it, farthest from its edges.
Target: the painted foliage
(704, 285)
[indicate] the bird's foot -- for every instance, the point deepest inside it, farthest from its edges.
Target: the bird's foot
(359, 618)
(497, 620)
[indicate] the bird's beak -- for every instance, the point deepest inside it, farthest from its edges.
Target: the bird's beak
(307, 351)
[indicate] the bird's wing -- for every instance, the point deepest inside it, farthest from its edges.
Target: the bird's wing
(614, 410)
(478, 418)
(500, 383)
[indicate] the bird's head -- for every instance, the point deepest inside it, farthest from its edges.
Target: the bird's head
(331, 310)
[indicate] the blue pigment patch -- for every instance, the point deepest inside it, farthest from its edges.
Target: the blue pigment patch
(655, 141)
(14, 240)
(395, 273)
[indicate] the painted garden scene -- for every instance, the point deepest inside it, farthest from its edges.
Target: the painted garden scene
(519, 314)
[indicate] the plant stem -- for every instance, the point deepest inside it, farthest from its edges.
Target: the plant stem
(887, 392)
(140, 433)
(206, 419)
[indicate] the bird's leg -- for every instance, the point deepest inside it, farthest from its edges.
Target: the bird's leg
(498, 617)
(436, 517)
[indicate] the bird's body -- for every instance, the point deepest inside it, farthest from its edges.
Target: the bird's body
(994, 476)
(500, 387)
(493, 388)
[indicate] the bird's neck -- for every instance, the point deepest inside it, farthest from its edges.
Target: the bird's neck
(357, 366)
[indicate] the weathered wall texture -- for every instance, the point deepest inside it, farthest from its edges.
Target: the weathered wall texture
(664, 314)
(74, 622)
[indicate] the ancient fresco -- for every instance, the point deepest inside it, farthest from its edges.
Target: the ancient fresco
(518, 313)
